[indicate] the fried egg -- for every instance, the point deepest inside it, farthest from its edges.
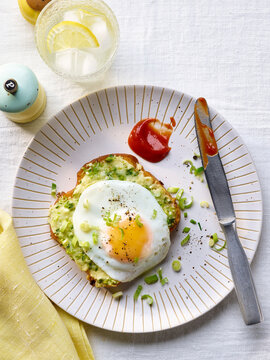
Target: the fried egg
(122, 228)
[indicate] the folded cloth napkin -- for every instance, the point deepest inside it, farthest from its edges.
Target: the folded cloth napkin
(31, 328)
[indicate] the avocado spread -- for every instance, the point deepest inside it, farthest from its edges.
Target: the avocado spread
(61, 213)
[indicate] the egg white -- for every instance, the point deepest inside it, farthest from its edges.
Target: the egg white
(117, 197)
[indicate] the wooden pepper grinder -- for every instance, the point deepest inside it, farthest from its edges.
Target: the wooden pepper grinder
(22, 98)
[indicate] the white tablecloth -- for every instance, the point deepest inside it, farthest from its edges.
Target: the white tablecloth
(216, 49)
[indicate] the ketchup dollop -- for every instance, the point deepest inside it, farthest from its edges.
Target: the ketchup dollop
(149, 139)
(205, 133)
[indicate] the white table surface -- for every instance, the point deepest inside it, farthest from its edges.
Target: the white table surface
(216, 49)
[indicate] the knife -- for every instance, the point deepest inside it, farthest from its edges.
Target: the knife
(220, 193)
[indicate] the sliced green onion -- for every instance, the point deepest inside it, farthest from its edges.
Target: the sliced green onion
(117, 294)
(222, 247)
(69, 205)
(85, 227)
(179, 194)
(122, 233)
(136, 260)
(185, 240)
(53, 189)
(154, 214)
(152, 279)
(85, 245)
(204, 204)
(185, 214)
(138, 222)
(95, 238)
(74, 241)
(192, 221)
(86, 204)
(188, 162)
(211, 243)
(199, 226)
(109, 158)
(148, 299)
(173, 189)
(186, 229)
(192, 169)
(163, 280)
(199, 171)
(189, 204)
(181, 203)
(63, 226)
(215, 237)
(137, 292)
(176, 265)
(109, 221)
(213, 240)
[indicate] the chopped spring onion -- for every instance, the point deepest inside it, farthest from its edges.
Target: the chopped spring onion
(204, 204)
(185, 240)
(179, 194)
(152, 279)
(222, 247)
(196, 156)
(189, 204)
(213, 240)
(95, 238)
(192, 221)
(63, 226)
(193, 170)
(173, 189)
(111, 222)
(137, 292)
(199, 171)
(138, 222)
(85, 227)
(188, 162)
(136, 260)
(215, 237)
(185, 214)
(163, 280)
(154, 214)
(122, 233)
(148, 299)
(200, 227)
(181, 203)
(86, 204)
(186, 230)
(69, 205)
(117, 294)
(211, 243)
(176, 265)
(109, 158)
(85, 245)
(53, 189)
(74, 241)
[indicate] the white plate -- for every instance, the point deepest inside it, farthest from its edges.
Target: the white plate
(100, 124)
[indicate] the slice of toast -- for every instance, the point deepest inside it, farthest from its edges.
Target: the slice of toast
(156, 186)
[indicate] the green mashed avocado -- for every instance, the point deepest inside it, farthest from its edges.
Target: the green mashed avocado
(61, 213)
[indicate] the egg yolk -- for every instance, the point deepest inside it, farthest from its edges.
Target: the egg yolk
(129, 241)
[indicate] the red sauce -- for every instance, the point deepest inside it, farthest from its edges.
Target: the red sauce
(150, 138)
(206, 135)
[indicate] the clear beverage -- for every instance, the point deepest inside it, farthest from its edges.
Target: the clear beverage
(77, 38)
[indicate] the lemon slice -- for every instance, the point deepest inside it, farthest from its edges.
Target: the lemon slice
(70, 34)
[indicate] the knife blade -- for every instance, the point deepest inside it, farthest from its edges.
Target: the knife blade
(221, 196)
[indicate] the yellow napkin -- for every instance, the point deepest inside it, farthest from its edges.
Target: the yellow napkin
(31, 328)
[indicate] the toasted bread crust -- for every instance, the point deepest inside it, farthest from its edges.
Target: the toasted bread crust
(134, 162)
